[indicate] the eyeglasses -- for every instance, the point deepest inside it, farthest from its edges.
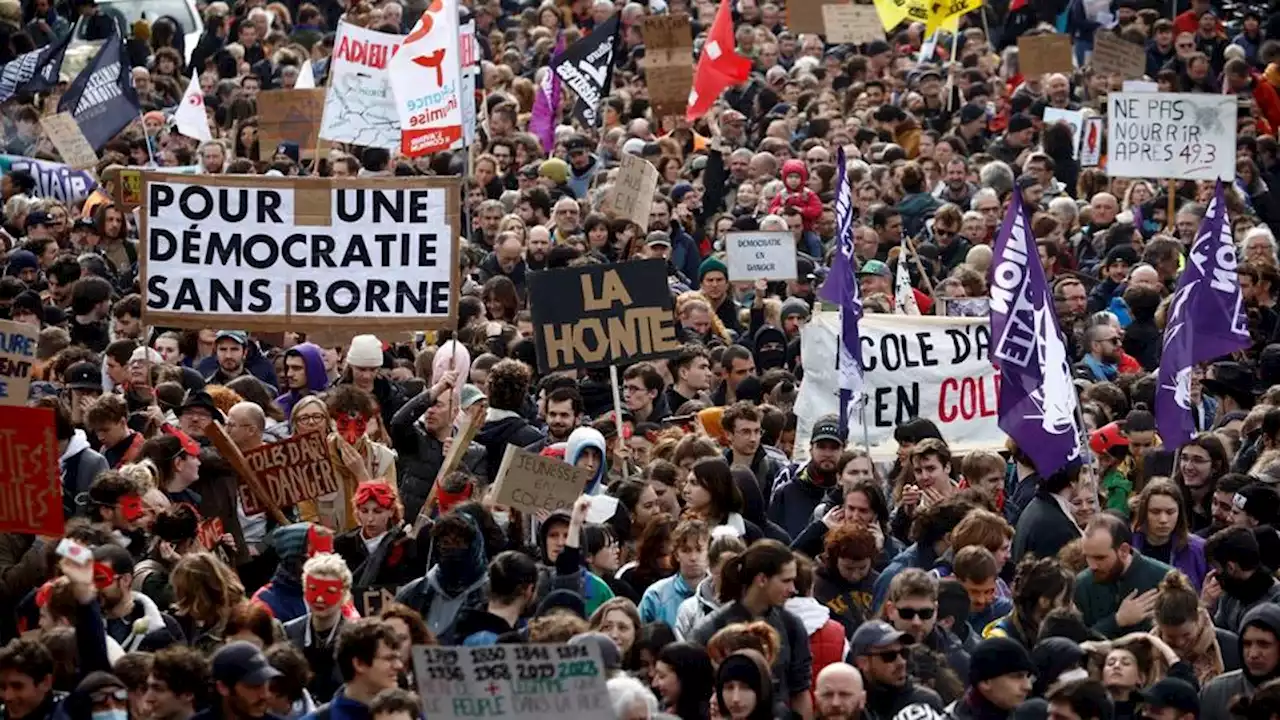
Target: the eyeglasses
(110, 694)
(941, 232)
(311, 419)
(891, 655)
(913, 613)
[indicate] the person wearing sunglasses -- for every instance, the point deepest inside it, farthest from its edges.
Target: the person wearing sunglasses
(880, 654)
(912, 607)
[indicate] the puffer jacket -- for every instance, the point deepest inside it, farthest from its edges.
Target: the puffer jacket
(693, 610)
(808, 202)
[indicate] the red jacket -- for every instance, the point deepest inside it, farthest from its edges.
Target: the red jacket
(1266, 98)
(1189, 22)
(806, 200)
(827, 647)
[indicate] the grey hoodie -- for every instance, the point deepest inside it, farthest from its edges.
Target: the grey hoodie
(693, 609)
(1219, 692)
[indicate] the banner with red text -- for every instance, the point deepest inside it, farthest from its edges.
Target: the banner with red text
(31, 499)
(426, 82)
(913, 366)
(358, 105)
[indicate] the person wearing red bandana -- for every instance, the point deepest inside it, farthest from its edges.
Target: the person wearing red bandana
(177, 458)
(378, 551)
(129, 615)
(326, 588)
(114, 501)
(356, 458)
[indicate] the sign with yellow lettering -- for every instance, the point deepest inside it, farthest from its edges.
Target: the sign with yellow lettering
(602, 315)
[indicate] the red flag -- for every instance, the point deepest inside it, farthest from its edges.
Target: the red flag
(719, 67)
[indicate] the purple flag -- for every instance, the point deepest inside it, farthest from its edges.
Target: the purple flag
(546, 104)
(1206, 321)
(841, 288)
(1138, 219)
(1037, 397)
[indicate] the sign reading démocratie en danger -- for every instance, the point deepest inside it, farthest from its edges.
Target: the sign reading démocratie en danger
(291, 471)
(761, 255)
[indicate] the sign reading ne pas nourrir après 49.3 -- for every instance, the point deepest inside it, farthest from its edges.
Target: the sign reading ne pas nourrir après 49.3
(276, 253)
(1187, 136)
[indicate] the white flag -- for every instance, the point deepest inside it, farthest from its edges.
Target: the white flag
(306, 77)
(904, 298)
(190, 116)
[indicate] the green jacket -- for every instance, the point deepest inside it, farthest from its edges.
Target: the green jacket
(1098, 602)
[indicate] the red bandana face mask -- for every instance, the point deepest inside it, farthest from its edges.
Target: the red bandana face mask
(103, 575)
(319, 540)
(352, 427)
(131, 507)
(322, 591)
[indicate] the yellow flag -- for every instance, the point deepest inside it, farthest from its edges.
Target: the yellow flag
(943, 12)
(893, 12)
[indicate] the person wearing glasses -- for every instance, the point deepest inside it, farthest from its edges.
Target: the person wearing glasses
(912, 607)
(880, 654)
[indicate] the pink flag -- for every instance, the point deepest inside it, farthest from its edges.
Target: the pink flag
(546, 104)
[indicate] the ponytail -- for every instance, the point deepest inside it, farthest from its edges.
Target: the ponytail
(766, 557)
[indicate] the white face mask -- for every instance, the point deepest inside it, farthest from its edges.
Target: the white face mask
(111, 715)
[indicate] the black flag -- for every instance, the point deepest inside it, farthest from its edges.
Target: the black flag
(587, 68)
(102, 98)
(33, 72)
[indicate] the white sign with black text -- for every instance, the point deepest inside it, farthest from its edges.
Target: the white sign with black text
(761, 255)
(1187, 136)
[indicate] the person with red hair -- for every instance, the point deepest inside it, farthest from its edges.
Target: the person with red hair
(379, 550)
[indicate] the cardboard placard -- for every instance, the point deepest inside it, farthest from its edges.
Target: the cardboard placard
(602, 315)
(805, 16)
(369, 601)
(530, 482)
(31, 495)
(851, 23)
(1113, 55)
(302, 254)
(668, 62)
(631, 194)
(17, 358)
(1041, 54)
(209, 532)
(291, 471)
(289, 116)
(760, 255)
(70, 141)
(565, 682)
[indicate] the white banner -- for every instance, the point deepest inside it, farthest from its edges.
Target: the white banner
(470, 53)
(426, 82)
(1188, 136)
(760, 255)
(913, 366)
(358, 106)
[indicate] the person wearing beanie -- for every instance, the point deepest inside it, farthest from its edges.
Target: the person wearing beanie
(744, 689)
(1239, 581)
(1259, 637)
(28, 309)
(553, 175)
(713, 281)
(365, 357)
(1016, 140)
(1000, 678)
(1255, 505)
(1079, 700)
(1115, 595)
(293, 544)
(24, 265)
(794, 314)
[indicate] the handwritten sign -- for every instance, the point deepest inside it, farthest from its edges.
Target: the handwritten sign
(291, 471)
(1040, 54)
(1189, 136)
(566, 682)
(530, 482)
(209, 532)
(17, 356)
(761, 255)
(369, 601)
(668, 62)
(69, 139)
(1113, 55)
(289, 116)
(631, 194)
(31, 494)
(846, 23)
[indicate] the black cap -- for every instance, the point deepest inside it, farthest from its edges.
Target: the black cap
(1020, 122)
(998, 656)
(82, 224)
(804, 270)
(1172, 692)
(972, 112)
(28, 301)
(83, 375)
(242, 663)
(577, 142)
(39, 217)
(827, 428)
(876, 47)
(1121, 253)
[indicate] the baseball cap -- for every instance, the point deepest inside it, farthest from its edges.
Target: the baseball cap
(1107, 438)
(1259, 502)
(1172, 692)
(658, 237)
(238, 335)
(39, 217)
(874, 634)
(875, 267)
(576, 143)
(827, 428)
(83, 375)
(971, 112)
(241, 663)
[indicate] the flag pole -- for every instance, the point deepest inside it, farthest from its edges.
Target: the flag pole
(150, 155)
(862, 416)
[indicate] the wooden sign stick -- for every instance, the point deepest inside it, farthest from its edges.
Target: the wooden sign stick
(462, 441)
(229, 451)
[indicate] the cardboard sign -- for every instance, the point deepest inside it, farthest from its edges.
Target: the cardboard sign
(530, 482)
(1040, 54)
(761, 255)
(31, 494)
(291, 471)
(1188, 136)
(668, 62)
(1113, 55)
(17, 357)
(289, 116)
(369, 601)
(602, 315)
(359, 107)
(1091, 142)
(565, 682)
(298, 254)
(851, 23)
(805, 16)
(130, 189)
(70, 141)
(209, 532)
(1073, 118)
(631, 194)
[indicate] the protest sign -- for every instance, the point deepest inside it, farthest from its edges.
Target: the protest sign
(31, 495)
(587, 69)
(102, 98)
(538, 681)
(35, 71)
(291, 471)
(631, 194)
(761, 255)
(359, 107)
(1113, 55)
(71, 143)
(1091, 142)
(369, 601)
(1041, 54)
(17, 356)
(668, 62)
(926, 366)
(209, 532)
(845, 23)
(1188, 136)
(1073, 118)
(53, 180)
(425, 82)
(470, 55)
(130, 189)
(805, 16)
(893, 12)
(601, 315)
(289, 116)
(295, 254)
(530, 482)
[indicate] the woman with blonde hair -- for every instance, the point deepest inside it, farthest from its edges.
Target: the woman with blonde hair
(205, 593)
(1186, 626)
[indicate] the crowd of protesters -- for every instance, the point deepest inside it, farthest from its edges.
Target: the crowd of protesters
(740, 577)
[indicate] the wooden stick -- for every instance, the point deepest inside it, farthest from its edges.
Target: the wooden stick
(232, 453)
(461, 441)
(1173, 188)
(617, 413)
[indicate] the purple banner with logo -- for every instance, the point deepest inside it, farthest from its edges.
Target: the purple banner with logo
(841, 288)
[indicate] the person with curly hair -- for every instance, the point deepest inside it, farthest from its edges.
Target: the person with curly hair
(504, 424)
(1039, 586)
(845, 578)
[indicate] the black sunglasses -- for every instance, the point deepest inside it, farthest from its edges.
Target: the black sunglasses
(892, 655)
(913, 613)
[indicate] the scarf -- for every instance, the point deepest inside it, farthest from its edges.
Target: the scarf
(1107, 371)
(1205, 655)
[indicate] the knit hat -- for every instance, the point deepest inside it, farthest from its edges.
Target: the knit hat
(679, 190)
(290, 150)
(20, 260)
(747, 667)
(712, 264)
(365, 351)
(1259, 502)
(794, 306)
(555, 170)
(971, 112)
(27, 301)
(998, 656)
(562, 600)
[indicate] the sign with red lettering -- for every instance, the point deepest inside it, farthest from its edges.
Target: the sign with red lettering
(31, 494)
(913, 366)
(359, 107)
(291, 471)
(426, 82)
(209, 532)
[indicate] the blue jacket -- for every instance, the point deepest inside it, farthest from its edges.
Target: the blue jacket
(661, 601)
(283, 596)
(685, 255)
(340, 707)
(317, 377)
(912, 557)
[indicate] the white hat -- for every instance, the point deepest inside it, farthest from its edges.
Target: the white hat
(142, 353)
(365, 351)
(634, 146)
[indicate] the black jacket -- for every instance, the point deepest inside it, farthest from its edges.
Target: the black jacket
(397, 560)
(497, 434)
(1043, 528)
(319, 651)
(420, 454)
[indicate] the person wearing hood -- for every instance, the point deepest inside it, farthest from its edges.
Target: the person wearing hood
(827, 642)
(508, 390)
(796, 193)
(912, 607)
(741, 423)
(1239, 582)
(365, 357)
(706, 598)
(662, 600)
(880, 654)
(1259, 663)
(562, 566)
(586, 448)
(235, 355)
(513, 582)
(78, 463)
(458, 582)
(800, 488)
(769, 345)
(326, 589)
(304, 374)
(284, 595)
(128, 615)
(1000, 678)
